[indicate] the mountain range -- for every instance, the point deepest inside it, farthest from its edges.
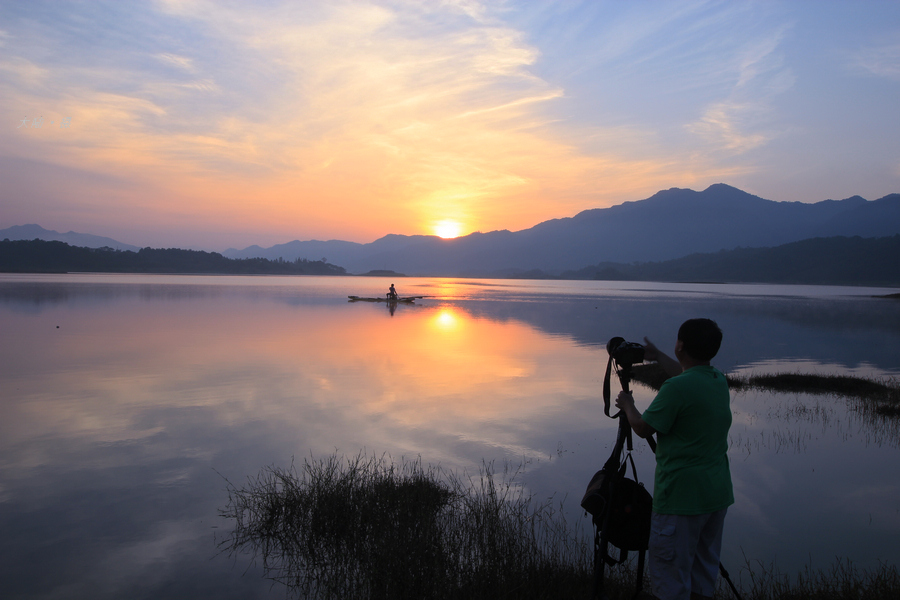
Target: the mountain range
(84, 240)
(670, 224)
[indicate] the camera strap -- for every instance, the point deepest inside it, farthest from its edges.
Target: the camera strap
(606, 390)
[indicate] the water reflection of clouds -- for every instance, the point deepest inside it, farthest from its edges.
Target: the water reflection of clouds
(112, 374)
(121, 415)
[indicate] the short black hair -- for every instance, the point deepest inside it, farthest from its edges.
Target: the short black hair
(700, 338)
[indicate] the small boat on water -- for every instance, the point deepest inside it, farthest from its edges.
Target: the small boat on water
(405, 300)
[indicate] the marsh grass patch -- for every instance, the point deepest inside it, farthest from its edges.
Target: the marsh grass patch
(365, 528)
(843, 581)
(368, 528)
(881, 398)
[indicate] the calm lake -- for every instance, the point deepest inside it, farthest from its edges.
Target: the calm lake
(126, 400)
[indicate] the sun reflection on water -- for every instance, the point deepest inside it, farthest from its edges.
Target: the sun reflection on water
(447, 321)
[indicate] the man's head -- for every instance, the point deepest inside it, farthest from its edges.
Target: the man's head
(700, 339)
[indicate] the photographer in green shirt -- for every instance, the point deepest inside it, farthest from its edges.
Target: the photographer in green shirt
(691, 416)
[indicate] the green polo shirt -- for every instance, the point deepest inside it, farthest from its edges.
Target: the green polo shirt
(692, 415)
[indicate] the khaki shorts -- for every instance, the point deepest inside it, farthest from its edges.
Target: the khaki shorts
(683, 556)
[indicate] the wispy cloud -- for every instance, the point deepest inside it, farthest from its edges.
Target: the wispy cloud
(182, 62)
(22, 72)
(741, 121)
(722, 124)
(881, 60)
(761, 60)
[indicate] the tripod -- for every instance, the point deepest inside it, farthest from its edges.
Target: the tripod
(620, 506)
(624, 355)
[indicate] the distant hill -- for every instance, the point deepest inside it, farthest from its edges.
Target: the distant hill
(38, 256)
(36, 232)
(670, 224)
(818, 261)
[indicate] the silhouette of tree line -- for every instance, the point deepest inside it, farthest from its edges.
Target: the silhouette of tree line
(818, 261)
(39, 256)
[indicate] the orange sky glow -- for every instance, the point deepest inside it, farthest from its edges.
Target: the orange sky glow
(203, 124)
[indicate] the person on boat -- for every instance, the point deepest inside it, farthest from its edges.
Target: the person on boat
(392, 293)
(691, 415)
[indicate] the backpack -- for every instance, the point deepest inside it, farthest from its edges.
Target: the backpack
(620, 507)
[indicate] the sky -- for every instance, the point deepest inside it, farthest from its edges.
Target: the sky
(209, 125)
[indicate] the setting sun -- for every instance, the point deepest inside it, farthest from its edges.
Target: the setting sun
(448, 229)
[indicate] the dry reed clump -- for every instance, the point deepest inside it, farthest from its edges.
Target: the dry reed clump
(368, 529)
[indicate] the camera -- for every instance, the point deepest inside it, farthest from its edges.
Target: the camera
(625, 353)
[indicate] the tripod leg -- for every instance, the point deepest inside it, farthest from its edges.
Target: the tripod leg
(728, 579)
(600, 550)
(639, 586)
(597, 588)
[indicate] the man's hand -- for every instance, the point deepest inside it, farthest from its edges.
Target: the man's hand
(668, 364)
(651, 352)
(625, 402)
(624, 399)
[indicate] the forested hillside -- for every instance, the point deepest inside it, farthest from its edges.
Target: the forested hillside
(819, 261)
(37, 256)
(832, 260)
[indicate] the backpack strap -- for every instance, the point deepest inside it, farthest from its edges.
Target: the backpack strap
(639, 584)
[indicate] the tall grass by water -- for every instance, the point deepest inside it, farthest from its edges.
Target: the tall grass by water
(843, 581)
(369, 528)
(366, 528)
